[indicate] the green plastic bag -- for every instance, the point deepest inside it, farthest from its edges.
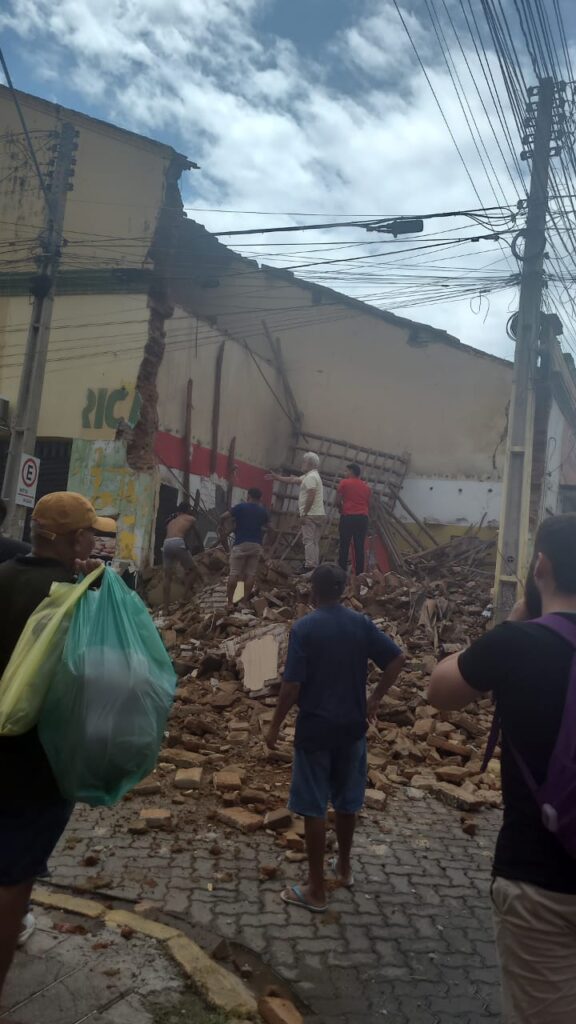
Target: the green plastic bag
(36, 656)
(104, 716)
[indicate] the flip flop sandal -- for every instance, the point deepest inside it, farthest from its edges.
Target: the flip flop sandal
(334, 868)
(299, 900)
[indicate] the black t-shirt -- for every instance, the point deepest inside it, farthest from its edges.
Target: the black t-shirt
(25, 774)
(527, 667)
(11, 548)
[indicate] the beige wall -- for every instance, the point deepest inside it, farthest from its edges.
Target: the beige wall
(119, 186)
(96, 345)
(361, 380)
(395, 386)
(248, 410)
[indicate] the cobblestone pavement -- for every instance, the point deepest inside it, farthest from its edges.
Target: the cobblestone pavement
(411, 944)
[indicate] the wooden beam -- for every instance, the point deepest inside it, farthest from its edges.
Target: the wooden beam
(187, 438)
(216, 407)
(418, 522)
(277, 355)
(231, 472)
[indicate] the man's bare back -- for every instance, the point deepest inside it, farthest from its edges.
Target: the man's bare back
(179, 526)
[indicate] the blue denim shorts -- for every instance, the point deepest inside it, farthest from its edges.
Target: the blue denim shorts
(28, 835)
(334, 776)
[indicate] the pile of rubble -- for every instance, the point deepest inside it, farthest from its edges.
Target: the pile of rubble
(216, 766)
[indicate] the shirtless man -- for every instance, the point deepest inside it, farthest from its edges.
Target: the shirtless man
(174, 549)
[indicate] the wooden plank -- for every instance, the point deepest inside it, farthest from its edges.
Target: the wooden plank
(231, 472)
(413, 516)
(187, 438)
(216, 407)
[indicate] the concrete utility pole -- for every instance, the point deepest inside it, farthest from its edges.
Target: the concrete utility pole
(512, 558)
(25, 422)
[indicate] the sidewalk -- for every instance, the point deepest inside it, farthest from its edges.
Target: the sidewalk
(411, 944)
(76, 970)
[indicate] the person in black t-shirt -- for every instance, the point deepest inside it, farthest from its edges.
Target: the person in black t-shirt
(527, 668)
(33, 814)
(9, 548)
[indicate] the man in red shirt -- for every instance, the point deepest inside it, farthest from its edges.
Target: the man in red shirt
(353, 501)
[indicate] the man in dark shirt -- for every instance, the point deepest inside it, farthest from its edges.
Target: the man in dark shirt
(249, 520)
(527, 668)
(9, 548)
(33, 814)
(326, 674)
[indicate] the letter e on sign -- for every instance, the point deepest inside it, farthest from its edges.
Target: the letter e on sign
(27, 481)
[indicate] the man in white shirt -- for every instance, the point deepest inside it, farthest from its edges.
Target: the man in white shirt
(310, 507)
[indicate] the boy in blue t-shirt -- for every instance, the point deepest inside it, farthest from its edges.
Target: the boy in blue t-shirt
(326, 674)
(249, 521)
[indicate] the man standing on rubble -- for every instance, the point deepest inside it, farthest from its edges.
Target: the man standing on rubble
(249, 520)
(326, 675)
(353, 501)
(33, 814)
(528, 665)
(311, 509)
(175, 550)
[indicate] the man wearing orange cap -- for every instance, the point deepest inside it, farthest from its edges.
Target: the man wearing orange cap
(33, 814)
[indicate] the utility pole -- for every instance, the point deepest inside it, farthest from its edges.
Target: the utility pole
(543, 123)
(27, 414)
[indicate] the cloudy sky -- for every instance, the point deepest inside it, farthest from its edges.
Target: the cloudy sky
(302, 111)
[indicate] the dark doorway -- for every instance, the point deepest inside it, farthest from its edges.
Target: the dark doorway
(167, 503)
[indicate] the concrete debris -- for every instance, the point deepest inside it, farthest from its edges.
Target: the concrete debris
(230, 666)
(260, 662)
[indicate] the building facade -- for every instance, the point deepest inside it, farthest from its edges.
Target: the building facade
(175, 365)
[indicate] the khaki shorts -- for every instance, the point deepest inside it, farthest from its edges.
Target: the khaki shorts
(244, 560)
(536, 940)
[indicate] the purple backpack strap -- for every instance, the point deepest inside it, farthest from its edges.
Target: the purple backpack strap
(492, 740)
(558, 624)
(565, 741)
(567, 630)
(565, 744)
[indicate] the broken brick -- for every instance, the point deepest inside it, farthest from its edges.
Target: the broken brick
(182, 758)
(226, 782)
(294, 841)
(423, 727)
(451, 773)
(188, 778)
(295, 857)
(278, 820)
(239, 818)
(375, 799)
(138, 827)
(253, 796)
(275, 1010)
(156, 817)
(148, 787)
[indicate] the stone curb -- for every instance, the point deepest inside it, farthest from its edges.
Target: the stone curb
(221, 989)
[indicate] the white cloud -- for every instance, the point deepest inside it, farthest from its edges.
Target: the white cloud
(377, 44)
(271, 130)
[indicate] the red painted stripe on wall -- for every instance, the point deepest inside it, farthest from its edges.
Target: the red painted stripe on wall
(171, 450)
